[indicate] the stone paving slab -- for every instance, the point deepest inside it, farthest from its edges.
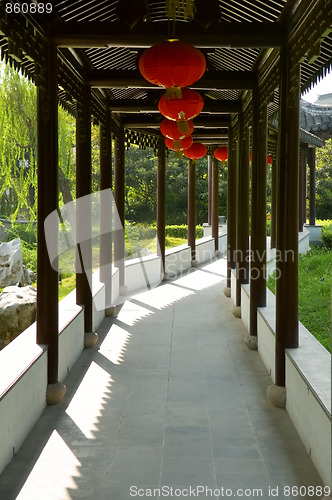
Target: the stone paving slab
(169, 398)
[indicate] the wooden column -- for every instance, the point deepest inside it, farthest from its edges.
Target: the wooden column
(312, 180)
(242, 211)
(231, 206)
(161, 189)
(273, 201)
(258, 211)
(209, 188)
(119, 193)
(287, 212)
(83, 207)
(192, 207)
(215, 203)
(47, 272)
(106, 199)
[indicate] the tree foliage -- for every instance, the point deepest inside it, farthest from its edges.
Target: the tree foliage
(324, 181)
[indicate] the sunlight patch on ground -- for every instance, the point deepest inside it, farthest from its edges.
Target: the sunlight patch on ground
(163, 296)
(198, 280)
(88, 402)
(114, 344)
(130, 313)
(54, 472)
(218, 267)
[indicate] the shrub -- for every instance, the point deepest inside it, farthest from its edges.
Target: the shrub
(181, 231)
(326, 231)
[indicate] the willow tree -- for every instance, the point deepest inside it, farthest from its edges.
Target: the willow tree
(18, 144)
(18, 147)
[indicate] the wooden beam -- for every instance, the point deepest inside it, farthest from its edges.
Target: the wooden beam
(145, 34)
(145, 105)
(242, 80)
(145, 122)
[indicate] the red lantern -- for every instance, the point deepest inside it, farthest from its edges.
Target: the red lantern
(172, 64)
(221, 153)
(196, 151)
(185, 108)
(179, 145)
(170, 129)
(269, 159)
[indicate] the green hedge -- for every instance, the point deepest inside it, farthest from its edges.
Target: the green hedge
(326, 231)
(142, 232)
(182, 231)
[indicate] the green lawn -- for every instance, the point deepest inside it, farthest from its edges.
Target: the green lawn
(314, 293)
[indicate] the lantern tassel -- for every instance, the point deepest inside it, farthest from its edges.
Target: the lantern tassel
(183, 126)
(177, 145)
(173, 93)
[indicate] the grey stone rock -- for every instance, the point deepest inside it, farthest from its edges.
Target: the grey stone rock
(11, 267)
(17, 311)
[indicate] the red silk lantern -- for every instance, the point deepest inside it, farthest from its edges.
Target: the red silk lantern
(197, 150)
(179, 145)
(269, 159)
(185, 108)
(172, 64)
(170, 129)
(221, 153)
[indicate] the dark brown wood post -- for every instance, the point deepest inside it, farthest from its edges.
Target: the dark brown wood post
(258, 213)
(287, 211)
(83, 208)
(312, 180)
(215, 203)
(273, 201)
(161, 215)
(119, 194)
(47, 272)
(192, 207)
(242, 211)
(106, 200)
(209, 188)
(231, 206)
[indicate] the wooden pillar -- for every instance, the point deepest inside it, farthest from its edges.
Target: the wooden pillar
(47, 272)
(192, 207)
(209, 188)
(242, 211)
(161, 189)
(231, 206)
(312, 180)
(106, 200)
(273, 201)
(258, 212)
(215, 203)
(83, 207)
(287, 212)
(119, 193)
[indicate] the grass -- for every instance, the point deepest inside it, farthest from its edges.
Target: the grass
(314, 293)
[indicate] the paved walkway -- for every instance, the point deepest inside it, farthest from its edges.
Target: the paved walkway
(170, 397)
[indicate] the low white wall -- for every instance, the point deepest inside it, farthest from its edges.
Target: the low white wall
(23, 383)
(315, 233)
(207, 229)
(98, 304)
(177, 260)
(142, 273)
(245, 305)
(223, 243)
(233, 285)
(308, 384)
(71, 333)
(204, 249)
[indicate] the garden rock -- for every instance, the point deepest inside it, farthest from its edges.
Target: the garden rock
(11, 267)
(17, 311)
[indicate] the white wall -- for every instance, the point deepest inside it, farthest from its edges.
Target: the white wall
(177, 260)
(143, 273)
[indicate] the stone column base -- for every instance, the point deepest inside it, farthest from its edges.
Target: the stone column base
(110, 311)
(55, 393)
(194, 263)
(251, 342)
(90, 339)
(218, 253)
(236, 311)
(164, 277)
(277, 395)
(227, 291)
